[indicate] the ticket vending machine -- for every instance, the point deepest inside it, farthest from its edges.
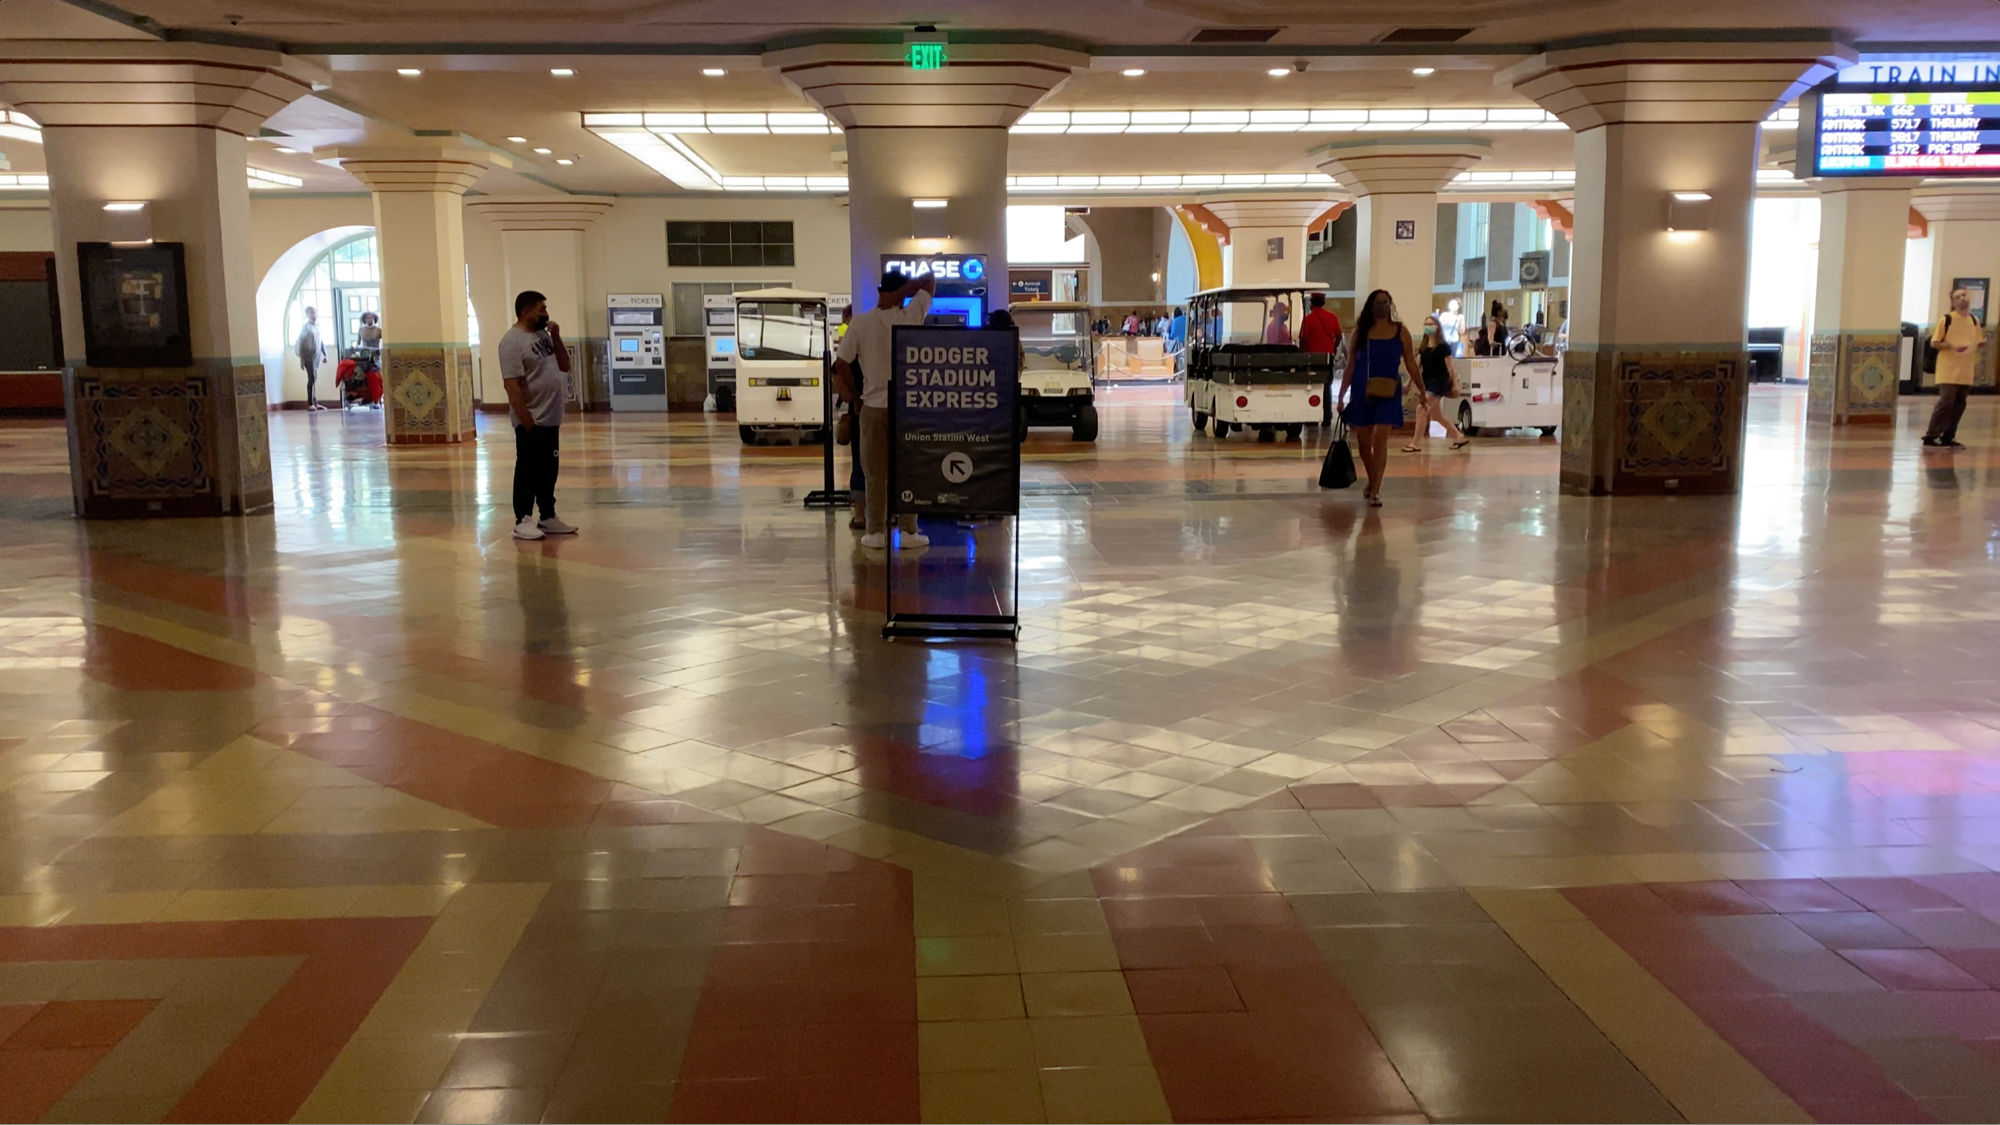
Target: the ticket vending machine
(718, 331)
(638, 348)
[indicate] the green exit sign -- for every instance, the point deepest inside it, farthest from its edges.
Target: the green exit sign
(926, 56)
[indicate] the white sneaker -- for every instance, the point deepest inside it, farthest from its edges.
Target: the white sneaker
(912, 540)
(875, 542)
(527, 529)
(554, 526)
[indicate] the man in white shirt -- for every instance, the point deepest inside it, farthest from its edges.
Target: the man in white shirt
(311, 350)
(534, 365)
(867, 343)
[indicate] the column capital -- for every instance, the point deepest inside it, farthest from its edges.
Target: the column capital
(1399, 166)
(415, 167)
(1673, 83)
(869, 86)
(536, 212)
(145, 82)
(1944, 204)
(1247, 211)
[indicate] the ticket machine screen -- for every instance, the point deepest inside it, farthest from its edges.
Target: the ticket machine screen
(629, 345)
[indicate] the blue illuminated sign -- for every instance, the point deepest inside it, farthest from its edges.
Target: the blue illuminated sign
(1903, 71)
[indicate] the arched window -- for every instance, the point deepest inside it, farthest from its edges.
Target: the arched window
(343, 283)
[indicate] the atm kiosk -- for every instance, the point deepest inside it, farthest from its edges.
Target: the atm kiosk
(718, 330)
(637, 332)
(961, 285)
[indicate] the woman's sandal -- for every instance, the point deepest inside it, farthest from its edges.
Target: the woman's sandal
(1461, 443)
(1414, 449)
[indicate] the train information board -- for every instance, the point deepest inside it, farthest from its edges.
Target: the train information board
(1908, 133)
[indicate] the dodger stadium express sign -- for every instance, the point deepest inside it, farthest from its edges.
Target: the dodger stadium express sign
(954, 395)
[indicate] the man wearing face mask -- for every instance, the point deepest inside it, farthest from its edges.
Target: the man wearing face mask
(533, 366)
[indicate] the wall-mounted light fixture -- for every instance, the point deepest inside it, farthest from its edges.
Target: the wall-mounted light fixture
(1689, 212)
(930, 218)
(125, 205)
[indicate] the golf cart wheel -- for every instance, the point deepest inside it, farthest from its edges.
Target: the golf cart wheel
(1084, 428)
(1020, 423)
(1465, 420)
(748, 434)
(1200, 419)
(1221, 429)
(1293, 431)
(1266, 434)
(1548, 431)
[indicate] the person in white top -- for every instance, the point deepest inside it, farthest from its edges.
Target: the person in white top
(311, 350)
(867, 345)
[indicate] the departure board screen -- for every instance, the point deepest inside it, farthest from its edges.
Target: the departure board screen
(1918, 133)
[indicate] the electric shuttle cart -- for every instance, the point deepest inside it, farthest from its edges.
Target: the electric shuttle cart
(1511, 392)
(781, 363)
(1055, 376)
(1237, 381)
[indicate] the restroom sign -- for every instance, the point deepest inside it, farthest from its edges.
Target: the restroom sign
(1406, 230)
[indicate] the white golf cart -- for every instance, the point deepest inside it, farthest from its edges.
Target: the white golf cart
(781, 364)
(1237, 381)
(1056, 387)
(1518, 391)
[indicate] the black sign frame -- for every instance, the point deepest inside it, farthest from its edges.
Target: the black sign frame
(135, 304)
(1000, 430)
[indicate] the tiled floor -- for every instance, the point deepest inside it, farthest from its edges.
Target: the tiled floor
(1493, 804)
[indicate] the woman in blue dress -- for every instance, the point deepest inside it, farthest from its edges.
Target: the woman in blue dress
(1372, 391)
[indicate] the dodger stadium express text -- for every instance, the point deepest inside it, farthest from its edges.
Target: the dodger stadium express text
(949, 388)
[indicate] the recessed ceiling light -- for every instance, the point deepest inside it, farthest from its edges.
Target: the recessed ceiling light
(1423, 71)
(713, 72)
(564, 161)
(1134, 72)
(541, 152)
(1278, 72)
(518, 140)
(409, 71)
(561, 71)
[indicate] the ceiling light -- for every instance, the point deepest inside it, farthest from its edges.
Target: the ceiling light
(518, 140)
(1133, 72)
(541, 152)
(289, 151)
(409, 72)
(1423, 71)
(1278, 71)
(929, 204)
(712, 72)
(561, 72)
(564, 161)
(125, 205)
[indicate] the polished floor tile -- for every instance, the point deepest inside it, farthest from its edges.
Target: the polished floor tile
(1492, 804)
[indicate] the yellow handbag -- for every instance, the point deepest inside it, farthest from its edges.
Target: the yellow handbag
(1381, 386)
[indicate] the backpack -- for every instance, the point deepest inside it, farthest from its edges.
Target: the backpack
(1931, 348)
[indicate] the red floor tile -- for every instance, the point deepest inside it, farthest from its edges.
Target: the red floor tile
(79, 1023)
(1912, 970)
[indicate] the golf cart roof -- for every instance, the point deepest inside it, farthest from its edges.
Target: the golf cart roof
(802, 295)
(1262, 290)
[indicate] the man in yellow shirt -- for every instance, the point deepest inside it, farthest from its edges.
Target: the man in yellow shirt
(1957, 338)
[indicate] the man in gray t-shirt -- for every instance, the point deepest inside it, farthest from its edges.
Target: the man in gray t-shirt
(534, 365)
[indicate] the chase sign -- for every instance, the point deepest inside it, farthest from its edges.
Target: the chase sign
(947, 268)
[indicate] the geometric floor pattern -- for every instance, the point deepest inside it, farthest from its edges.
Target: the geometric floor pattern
(1491, 804)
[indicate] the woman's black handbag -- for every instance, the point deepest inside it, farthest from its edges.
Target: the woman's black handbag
(1338, 469)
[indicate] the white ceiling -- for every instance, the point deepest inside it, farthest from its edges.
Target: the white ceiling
(489, 94)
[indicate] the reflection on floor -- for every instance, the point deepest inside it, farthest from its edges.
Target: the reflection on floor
(1493, 804)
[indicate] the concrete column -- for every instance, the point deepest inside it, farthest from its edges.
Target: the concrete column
(541, 248)
(1857, 340)
(925, 134)
(162, 124)
(1656, 377)
(1965, 243)
(419, 192)
(1267, 236)
(1396, 184)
